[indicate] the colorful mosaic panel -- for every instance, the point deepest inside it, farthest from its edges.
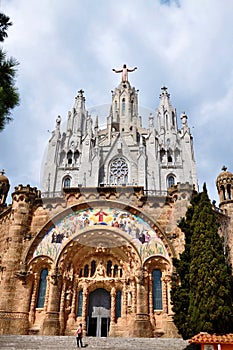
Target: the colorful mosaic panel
(147, 241)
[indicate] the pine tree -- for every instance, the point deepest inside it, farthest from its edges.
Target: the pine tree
(180, 291)
(210, 308)
(9, 97)
(202, 301)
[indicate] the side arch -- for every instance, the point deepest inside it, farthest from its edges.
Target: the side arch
(159, 272)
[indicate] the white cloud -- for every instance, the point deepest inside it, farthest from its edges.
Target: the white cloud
(63, 46)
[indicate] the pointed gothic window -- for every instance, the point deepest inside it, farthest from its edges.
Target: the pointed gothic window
(123, 106)
(162, 156)
(66, 182)
(166, 116)
(86, 271)
(157, 289)
(93, 267)
(131, 107)
(169, 157)
(118, 172)
(80, 303)
(118, 303)
(229, 191)
(223, 192)
(173, 119)
(69, 157)
(115, 271)
(170, 181)
(42, 288)
(76, 156)
(109, 268)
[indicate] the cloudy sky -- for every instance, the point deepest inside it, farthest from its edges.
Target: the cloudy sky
(65, 45)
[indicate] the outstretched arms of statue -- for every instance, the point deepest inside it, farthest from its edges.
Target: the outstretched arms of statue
(121, 70)
(132, 70)
(117, 70)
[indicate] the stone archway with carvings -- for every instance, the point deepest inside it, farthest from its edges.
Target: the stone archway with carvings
(77, 242)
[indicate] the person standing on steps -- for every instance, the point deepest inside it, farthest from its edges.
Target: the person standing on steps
(79, 335)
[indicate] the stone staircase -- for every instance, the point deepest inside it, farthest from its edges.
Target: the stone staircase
(30, 342)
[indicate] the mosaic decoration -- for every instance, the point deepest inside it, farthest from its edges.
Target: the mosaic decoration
(146, 240)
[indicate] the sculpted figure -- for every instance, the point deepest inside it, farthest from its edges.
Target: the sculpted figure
(124, 72)
(100, 271)
(4, 187)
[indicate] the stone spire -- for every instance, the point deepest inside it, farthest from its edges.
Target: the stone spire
(166, 115)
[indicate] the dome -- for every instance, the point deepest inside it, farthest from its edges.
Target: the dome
(224, 177)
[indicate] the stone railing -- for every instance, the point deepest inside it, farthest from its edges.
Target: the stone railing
(61, 194)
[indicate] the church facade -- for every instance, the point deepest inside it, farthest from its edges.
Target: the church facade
(95, 244)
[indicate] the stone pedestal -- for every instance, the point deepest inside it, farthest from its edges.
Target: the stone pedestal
(51, 324)
(142, 327)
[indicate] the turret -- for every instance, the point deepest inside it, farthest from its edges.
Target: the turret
(224, 185)
(24, 201)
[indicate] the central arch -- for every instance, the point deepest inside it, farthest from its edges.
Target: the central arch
(99, 308)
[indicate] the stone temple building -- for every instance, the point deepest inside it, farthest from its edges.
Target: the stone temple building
(95, 244)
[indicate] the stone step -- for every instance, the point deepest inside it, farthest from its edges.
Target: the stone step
(34, 342)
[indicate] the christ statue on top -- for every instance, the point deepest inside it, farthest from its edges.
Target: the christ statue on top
(124, 72)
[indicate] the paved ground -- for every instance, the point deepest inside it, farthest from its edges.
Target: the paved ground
(24, 342)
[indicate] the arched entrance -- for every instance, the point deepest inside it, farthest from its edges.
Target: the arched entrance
(99, 313)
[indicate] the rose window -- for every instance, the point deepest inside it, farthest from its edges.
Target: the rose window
(118, 172)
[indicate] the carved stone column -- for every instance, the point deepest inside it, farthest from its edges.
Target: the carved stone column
(142, 325)
(164, 294)
(84, 309)
(151, 307)
(47, 294)
(51, 325)
(113, 312)
(140, 293)
(134, 304)
(113, 306)
(71, 319)
(33, 298)
(167, 280)
(62, 308)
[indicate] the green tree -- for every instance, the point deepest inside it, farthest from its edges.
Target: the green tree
(180, 291)
(9, 96)
(4, 24)
(202, 301)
